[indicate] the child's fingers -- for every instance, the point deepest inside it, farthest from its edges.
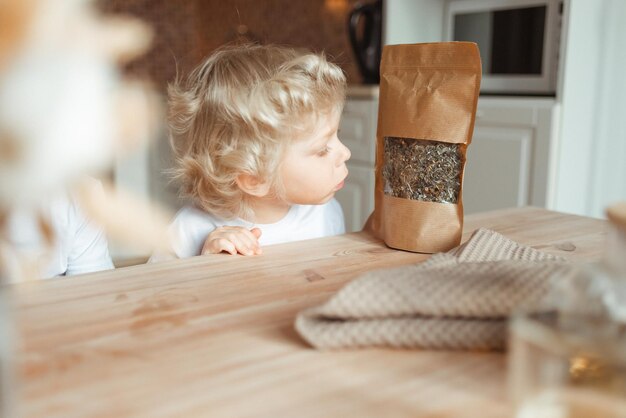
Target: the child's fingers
(256, 232)
(249, 238)
(248, 246)
(218, 245)
(243, 242)
(226, 245)
(233, 240)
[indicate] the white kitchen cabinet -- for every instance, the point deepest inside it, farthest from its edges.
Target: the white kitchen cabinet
(497, 171)
(357, 130)
(511, 160)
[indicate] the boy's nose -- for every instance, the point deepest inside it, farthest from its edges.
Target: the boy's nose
(344, 155)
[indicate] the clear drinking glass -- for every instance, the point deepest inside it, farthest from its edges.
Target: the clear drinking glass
(567, 366)
(569, 359)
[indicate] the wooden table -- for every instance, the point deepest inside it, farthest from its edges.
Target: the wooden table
(213, 336)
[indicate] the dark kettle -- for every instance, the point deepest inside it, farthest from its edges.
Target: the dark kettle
(367, 43)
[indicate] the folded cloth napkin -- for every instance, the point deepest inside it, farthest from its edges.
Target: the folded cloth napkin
(455, 300)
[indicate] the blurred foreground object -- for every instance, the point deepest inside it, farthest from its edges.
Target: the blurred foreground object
(570, 361)
(565, 365)
(65, 111)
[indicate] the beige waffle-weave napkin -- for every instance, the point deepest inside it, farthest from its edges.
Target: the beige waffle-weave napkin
(455, 300)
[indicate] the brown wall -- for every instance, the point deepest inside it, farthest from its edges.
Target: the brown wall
(187, 30)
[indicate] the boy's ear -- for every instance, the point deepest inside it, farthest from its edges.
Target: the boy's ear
(253, 185)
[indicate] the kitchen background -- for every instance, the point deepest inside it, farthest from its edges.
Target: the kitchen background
(566, 152)
(186, 31)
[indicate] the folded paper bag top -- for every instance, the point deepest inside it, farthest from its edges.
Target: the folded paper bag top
(456, 300)
(427, 106)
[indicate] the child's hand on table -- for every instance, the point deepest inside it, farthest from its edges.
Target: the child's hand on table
(233, 240)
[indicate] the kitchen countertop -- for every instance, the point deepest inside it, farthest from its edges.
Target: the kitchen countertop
(213, 336)
(363, 91)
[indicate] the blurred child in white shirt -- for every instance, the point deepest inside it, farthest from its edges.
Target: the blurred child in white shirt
(56, 238)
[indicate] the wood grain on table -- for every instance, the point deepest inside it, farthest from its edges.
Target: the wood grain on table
(213, 336)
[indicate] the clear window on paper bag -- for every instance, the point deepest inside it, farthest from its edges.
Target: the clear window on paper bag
(417, 169)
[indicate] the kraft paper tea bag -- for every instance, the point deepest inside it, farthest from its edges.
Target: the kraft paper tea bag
(428, 97)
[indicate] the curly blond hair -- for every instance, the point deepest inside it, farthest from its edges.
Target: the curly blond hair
(236, 113)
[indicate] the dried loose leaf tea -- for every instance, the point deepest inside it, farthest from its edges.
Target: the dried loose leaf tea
(429, 171)
(428, 97)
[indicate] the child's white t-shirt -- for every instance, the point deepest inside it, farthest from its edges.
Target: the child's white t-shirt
(79, 245)
(192, 226)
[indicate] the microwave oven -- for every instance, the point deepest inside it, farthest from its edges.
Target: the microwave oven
(518, 42)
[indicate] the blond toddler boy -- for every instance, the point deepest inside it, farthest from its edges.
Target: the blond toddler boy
(254, 132)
